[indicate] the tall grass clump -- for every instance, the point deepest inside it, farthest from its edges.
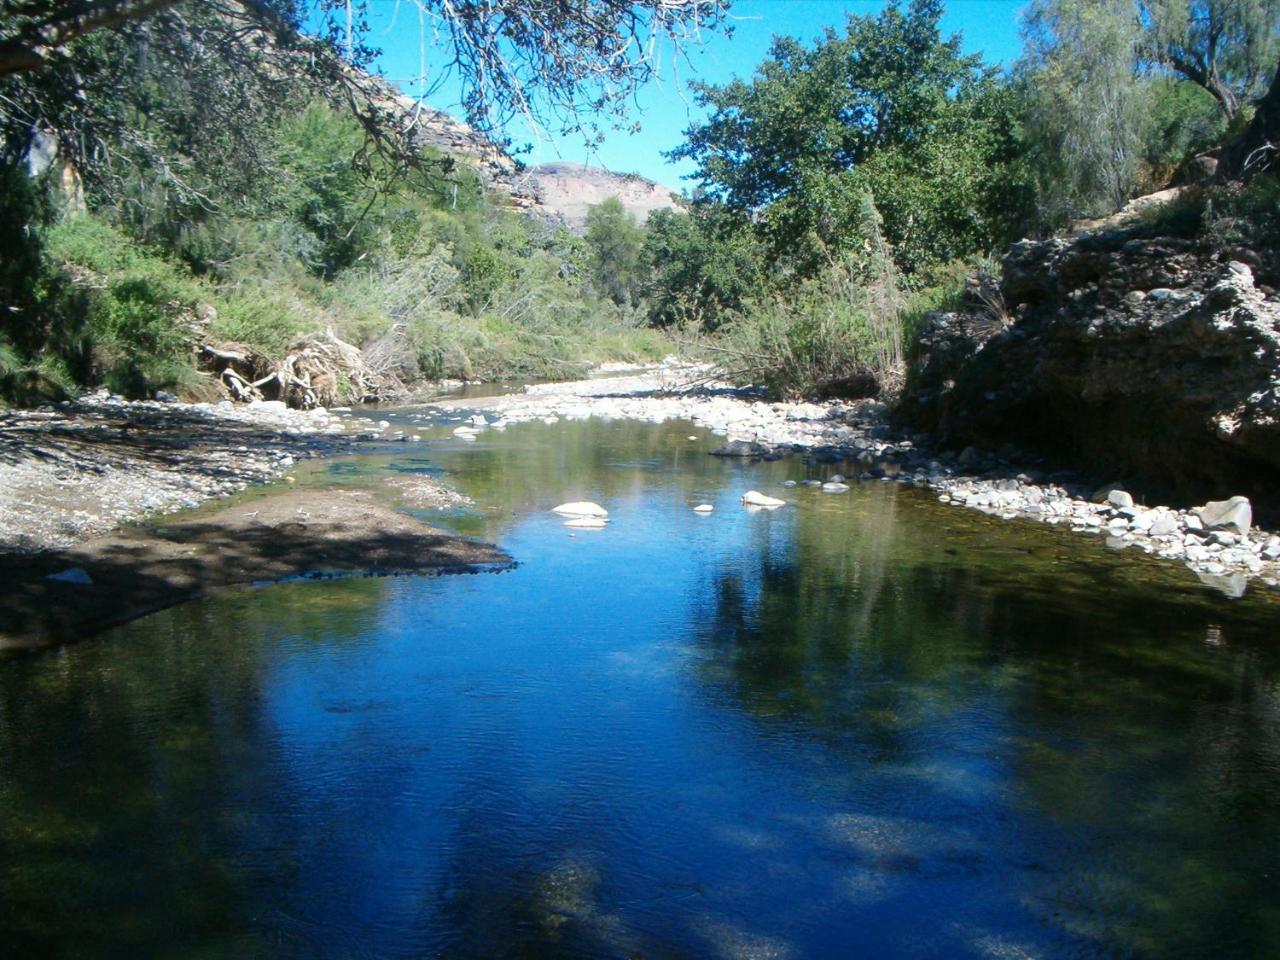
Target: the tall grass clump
(837, 334)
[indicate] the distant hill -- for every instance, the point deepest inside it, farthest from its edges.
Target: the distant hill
(553, 192)
(570, 188)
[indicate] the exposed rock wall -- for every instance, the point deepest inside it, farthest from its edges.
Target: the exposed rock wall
(1150, 360)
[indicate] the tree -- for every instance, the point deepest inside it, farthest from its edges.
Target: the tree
(1228, 47)
(703, 264)
(792, 149)
(1085, 104)
(614, 244)
(542, 59)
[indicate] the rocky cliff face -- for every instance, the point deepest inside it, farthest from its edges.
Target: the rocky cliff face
(1150, 360)
(556, 193)
(570, 188)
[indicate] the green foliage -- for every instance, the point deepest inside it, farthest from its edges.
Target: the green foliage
(702, 265)
(1227, 48)
(120, 314)
(840, 333)
(1086, 108)
(614, 246)
(889, 105)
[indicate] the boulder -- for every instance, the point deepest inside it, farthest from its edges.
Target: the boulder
(581, 508)
(1235, 514)
(754, 498)
(1177, 390)
(703, 508)
(1120, 499)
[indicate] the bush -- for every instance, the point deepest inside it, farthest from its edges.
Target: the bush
(838, 335)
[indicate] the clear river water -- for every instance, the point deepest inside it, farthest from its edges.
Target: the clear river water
(863, 725)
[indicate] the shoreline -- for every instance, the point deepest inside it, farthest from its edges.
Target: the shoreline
(853, 439)
(97, 526)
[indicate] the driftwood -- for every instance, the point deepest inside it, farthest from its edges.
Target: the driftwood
(319, 370)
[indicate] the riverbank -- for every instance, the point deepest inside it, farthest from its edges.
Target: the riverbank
(854, 439)
(85, 489)
(76, 470)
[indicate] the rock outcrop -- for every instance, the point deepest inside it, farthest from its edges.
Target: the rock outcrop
(569, 189)
(1152, 359)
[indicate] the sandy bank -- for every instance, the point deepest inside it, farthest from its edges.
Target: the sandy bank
(66, 594)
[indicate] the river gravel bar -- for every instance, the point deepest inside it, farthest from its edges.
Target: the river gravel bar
(77, 470)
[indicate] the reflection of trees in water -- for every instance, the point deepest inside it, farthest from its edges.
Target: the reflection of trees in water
(509, 473)
(1129, 729)
(129, 768)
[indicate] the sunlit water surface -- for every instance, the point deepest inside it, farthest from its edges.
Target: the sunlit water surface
(865, 725)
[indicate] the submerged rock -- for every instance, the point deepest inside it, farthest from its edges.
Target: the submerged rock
(587, 523)
(741, 448)
(703, 508)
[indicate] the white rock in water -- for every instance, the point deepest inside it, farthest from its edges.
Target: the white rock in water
(703, 508)
(479, 420)
(587, 523)
(754, 498)
(464, 431)
(833, 487)
(581, 508)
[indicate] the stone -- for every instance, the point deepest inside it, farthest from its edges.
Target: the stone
(740, 448)
(580, 508)
(788, 483)
(1120, 499)
(1163, 524)
(754, 498)
(832, 487)
(703, 508)
(1233, 514)
(587, 523)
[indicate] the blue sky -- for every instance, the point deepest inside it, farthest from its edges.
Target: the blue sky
(665, 111)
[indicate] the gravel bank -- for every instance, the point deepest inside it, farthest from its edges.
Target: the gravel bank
(1220, 545)
(77, 470)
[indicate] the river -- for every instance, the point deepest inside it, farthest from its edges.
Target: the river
(862, 725)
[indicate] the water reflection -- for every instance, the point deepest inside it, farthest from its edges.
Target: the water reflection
(864, 725)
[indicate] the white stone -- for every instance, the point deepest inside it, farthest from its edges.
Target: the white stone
(703, 508)
(581, 508)
(754, 498)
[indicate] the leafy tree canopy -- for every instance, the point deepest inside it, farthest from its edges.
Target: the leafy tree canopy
(797, 146)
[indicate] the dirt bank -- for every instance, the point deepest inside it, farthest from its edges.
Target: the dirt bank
(66, 594)
(78, 470)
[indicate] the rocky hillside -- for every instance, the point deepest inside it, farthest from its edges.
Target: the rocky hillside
(554, 192)
(570, 188)
(1147, 359)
